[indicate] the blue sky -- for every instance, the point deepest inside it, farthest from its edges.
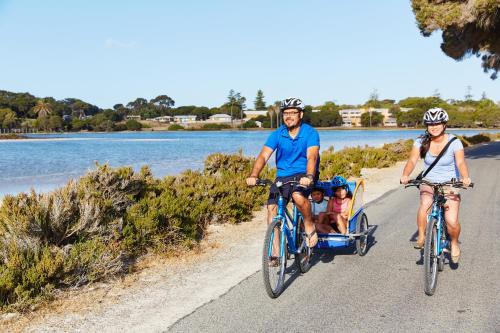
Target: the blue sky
(108, 52)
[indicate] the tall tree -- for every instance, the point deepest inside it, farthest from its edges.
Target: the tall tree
(163, 102)
(137, 104)
(259, 102)
(469, 27)
(42, 108)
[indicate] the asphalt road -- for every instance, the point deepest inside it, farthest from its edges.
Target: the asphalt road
(383, 290)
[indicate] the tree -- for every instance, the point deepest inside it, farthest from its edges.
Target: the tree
(259, 102)
(376, 119)
(7, 118)
(163, 102)
(42, 108)
(137, 104)
(469, 27)
(326, 118)
(235, 105)
(373, 101)
(55, 122)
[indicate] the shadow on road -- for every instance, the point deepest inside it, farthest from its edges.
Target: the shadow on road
(489, 150)
(325, 256)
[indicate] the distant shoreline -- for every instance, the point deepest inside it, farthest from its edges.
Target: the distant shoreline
(10, 137)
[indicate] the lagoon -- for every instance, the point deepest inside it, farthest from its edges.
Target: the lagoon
(50, 160)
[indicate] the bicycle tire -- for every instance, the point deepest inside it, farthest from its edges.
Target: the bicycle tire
(362, 241)
(274, 276)
(430, 258)
(302, 259)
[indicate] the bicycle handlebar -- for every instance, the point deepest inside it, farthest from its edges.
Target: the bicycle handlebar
(453, 183)
(264, 182)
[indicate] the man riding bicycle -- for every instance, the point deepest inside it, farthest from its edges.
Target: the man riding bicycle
(297, 158)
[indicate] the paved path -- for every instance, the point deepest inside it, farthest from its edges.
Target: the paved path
(384, 290)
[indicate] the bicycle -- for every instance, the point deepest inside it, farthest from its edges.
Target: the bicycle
(436, 236)
(286, 230)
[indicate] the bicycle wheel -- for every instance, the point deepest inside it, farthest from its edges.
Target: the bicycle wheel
(430, 258)
(362, 241)
(273, 266)
(303, 258)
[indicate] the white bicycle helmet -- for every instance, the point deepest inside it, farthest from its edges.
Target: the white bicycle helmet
(435, 116)
(292, 103)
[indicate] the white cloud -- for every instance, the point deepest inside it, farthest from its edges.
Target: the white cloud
(111, 43)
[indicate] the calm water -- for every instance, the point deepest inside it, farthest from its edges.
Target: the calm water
(48, 163)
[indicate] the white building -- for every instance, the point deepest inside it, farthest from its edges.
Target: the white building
(220, 118)
(134, 117)
(164, 119)
(351, 117)
(184, 119)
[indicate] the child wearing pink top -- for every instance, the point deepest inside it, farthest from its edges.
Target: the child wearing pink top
(337, 211)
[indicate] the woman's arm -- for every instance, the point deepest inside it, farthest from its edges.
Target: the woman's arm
(410, 165)
(462, 166)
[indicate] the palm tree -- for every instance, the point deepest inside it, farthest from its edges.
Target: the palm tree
(42, 108)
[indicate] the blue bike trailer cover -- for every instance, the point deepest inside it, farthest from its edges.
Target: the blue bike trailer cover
(326, 186)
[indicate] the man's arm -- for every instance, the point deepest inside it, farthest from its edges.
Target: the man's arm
(312, 159)
(259, 164)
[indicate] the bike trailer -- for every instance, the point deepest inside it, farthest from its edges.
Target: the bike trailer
(357, 223)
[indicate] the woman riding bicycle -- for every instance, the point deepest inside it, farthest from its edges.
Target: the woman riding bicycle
(451, 165)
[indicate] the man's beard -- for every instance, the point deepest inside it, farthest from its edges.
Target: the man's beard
(293, 126)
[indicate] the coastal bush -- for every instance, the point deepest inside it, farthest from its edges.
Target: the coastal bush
(175, 127)
(133, 125)
(66, 237)
(212, 127)
(478, 138)
(94, 227)
(349, 161)
(250, 124)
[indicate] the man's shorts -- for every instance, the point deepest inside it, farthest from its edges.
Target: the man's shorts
(450, 193)
(288, 189)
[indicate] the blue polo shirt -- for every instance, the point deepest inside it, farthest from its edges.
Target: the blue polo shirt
(291, 154)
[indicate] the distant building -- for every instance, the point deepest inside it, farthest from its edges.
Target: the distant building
(164, 119)
(220, 118)
(133, 117)
(184, 119)
(315, 110)
(249, 114)
(351, 117)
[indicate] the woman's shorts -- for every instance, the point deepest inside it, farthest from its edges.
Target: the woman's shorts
(450, 193)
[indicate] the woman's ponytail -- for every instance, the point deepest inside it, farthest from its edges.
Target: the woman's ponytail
(425, 143)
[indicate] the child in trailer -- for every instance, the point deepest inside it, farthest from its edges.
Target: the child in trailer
(319, 206)
(338, 208)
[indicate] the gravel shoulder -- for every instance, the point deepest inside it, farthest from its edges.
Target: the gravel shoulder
(164, 290)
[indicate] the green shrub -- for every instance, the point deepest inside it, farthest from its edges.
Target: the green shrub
(120, 127)
(91, 228)
(478, 138)
(250, 124)
(212, 127)
(133, 125)
(349, 161)
(175, 127)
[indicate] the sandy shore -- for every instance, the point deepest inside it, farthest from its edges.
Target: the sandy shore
(165, 290)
